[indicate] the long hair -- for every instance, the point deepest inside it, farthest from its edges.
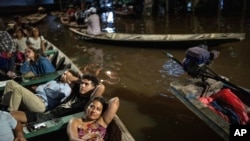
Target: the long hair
(36, 52)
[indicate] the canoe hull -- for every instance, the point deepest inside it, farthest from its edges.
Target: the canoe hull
(189, 93)
(166, 40)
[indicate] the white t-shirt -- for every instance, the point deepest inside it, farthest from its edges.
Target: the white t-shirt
(21, 44)
(36, 43)
(7, 124)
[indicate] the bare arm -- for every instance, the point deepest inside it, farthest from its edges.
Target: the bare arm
(19, 132)
(72, 130)
(99, 90)
(109, 114)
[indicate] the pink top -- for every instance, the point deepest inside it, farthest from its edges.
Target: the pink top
(94, 131)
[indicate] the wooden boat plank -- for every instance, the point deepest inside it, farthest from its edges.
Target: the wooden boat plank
(51, 125)
(36, 79)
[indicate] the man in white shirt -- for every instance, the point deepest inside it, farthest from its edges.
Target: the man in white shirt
(93, 22)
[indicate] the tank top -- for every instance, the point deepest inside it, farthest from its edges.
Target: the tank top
(93, 131)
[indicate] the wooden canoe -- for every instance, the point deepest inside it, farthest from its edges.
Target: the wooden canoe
(189, 92)
(34, 18)
(30, 19)
(171, 39)
(58, 13)
(117, 131)
(124, 13)
(65, 21)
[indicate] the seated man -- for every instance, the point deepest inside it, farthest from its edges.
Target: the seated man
(196, 57)
(46, 96)
(93, 22)
(88, 89)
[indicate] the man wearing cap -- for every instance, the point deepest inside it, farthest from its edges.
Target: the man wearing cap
(198, 56)
(93, 22)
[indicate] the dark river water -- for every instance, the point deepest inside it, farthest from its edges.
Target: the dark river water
(148, 109)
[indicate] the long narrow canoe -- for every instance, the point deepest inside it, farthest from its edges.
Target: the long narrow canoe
(189, 93)
(34, 18)
(30, 19)
(117, 131)
(171, 39)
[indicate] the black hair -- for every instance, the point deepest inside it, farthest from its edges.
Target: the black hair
(102, 100)
(92, 78)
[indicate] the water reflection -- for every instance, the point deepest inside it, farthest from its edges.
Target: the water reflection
(172, 68)
(141, 76)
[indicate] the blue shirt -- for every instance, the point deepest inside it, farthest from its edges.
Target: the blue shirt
(7, 124)
(42, 66)
(53, 92)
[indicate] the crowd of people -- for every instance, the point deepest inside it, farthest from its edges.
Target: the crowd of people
(23, 52)
(85, 15)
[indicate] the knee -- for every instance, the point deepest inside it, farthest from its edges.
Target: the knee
(11, 83)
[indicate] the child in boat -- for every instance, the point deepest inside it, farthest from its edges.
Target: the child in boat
(93, 124)
(81, 93)
(45, 97)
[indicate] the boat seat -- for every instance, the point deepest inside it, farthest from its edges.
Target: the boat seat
(53, 59)
(60, 65)
(67, 66)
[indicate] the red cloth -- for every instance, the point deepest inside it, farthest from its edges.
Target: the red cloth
(229, 99)
(233, 102)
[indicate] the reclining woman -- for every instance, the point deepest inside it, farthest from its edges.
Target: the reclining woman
(35, 63)
(81, 93)
(93, 125)
(46, 96)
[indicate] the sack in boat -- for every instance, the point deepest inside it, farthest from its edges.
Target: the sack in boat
(228, 99)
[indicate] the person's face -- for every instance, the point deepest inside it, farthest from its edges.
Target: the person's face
(94, 110)
(19, 33)
(35, 32)
(86, 86)
(67, 77)
(29, 53)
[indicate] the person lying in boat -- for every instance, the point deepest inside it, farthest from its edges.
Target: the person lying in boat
(196, 57)
(35, 64)
(93, 124)
(88, 88)
(9, 126)
(7, 52)
(46, 96)
(93, 22)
